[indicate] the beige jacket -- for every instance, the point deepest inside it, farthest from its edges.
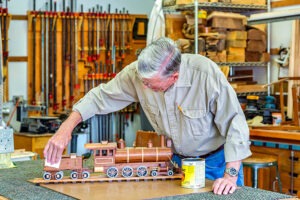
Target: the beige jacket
(200, 112)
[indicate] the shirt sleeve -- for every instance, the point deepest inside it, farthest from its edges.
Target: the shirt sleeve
(230, 120)
(109, 97)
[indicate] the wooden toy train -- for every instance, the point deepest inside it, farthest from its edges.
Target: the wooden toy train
(115, 160)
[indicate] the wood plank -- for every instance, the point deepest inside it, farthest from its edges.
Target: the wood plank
(19, 17)
(17, 59)
(236, 35)
(288, 137)
(250, 88)
(294, 67)
(283, 3)
(274, 51)
(281, 128)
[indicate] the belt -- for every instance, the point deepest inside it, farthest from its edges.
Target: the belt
(203, 156)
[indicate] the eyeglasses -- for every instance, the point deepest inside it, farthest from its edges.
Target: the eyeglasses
(156, 84)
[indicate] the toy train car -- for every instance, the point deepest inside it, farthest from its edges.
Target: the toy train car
(116, 162)
(69, 162)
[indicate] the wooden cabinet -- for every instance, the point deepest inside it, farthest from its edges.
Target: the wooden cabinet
(289, 170)
(32, 142)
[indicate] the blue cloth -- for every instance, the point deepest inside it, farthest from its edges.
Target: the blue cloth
(215, 167)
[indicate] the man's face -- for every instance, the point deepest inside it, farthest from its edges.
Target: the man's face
(158, 84)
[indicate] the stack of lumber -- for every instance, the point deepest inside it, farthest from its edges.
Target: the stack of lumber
(231, 21)
(236, 42)
(256, 45)
(215, 46)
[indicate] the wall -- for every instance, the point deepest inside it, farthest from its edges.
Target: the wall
(280, 37)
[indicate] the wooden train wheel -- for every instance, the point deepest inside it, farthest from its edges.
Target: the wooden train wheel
(142, 171)
(112, 172)
(127, 171)
(59, 175)
(153, 173)
(74, 175)
(170, 172)
(47, 175)
(85, 174)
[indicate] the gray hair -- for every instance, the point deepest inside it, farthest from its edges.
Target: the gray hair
(161, 57)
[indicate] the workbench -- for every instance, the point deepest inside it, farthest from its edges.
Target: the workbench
(283, 145)
(32, 142)
(278, 136)
(14, 185)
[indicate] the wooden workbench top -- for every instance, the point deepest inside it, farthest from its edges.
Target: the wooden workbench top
(280, 136)
(126, 190)
(34, 134)
(15, 185)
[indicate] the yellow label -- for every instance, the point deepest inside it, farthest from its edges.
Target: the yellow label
(202, 14)
(188, 175)
(193, 175)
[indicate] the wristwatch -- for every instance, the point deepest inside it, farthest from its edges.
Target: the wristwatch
(231, 171)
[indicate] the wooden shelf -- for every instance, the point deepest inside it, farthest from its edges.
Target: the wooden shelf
(219, 6)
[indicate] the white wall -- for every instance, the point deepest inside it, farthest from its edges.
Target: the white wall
(18, 32)
(280, 36)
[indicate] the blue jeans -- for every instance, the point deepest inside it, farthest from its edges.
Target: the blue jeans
(215, 167)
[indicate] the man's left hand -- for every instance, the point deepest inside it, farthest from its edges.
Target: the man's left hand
(225, 185)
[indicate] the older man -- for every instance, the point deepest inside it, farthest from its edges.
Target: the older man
(185, 97)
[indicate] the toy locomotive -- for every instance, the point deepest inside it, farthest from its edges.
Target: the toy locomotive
(115, 160)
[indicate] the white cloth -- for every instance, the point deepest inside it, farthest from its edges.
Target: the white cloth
(156, 24)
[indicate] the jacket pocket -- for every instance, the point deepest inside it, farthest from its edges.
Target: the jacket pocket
(196, 121)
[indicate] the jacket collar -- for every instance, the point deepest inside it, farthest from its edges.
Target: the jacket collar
(184, 79)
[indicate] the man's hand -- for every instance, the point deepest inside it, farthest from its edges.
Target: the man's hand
(58, 142)
(225, 185)
(56, 145)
